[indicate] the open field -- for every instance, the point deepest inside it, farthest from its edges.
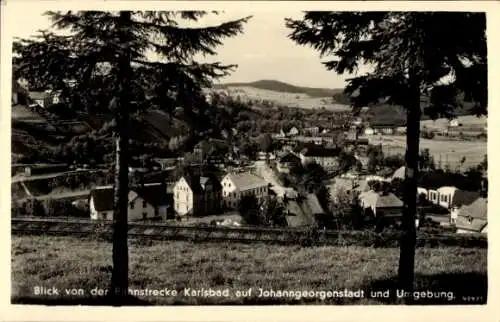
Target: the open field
(469, 122)
(65, 262)
(299, 100)
(449, 151)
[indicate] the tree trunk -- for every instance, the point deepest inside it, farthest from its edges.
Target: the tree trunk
(119, 278)
(408, 237)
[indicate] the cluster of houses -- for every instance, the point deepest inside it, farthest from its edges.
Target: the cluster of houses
(191, 195)
(465, 210)
(195, 195)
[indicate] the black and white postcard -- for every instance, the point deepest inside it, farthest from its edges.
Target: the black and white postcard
(266, 155)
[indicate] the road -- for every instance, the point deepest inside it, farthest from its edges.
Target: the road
(263, 170)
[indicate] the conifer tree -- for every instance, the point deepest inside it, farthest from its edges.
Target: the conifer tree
(124, 63)
(428, 62)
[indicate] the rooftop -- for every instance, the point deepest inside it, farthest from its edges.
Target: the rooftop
(155, 194)
(377, 200)
(246, 180)
(320, 152)
(473, 217)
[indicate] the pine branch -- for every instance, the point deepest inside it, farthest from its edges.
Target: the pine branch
(178, 43)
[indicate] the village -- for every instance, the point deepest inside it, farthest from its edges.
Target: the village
(305, 177)
(285, 152)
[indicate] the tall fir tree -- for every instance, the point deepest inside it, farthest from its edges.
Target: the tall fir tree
(125, 63)
(438, 55)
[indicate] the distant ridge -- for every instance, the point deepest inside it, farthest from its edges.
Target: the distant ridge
(278, 86)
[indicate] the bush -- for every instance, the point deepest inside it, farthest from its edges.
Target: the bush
(428, 135)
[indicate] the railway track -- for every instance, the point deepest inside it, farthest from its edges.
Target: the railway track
(161, 231)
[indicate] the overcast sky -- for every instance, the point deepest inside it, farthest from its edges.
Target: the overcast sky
(263, 51)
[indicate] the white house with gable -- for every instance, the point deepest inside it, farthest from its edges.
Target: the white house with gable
(144, 202)
(237, 185)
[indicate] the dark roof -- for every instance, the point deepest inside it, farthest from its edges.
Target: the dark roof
(477, 209)
(377, 200)
(321, 152)
(289, 157)
(197, 182)
(473, 217)
(312, 206)
(463, 197)
(295, 217)
(102, 198)
(154, 194)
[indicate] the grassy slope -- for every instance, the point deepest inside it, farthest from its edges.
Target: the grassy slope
(70, 262)
(448, 151)
(310, 98)
(278, 86)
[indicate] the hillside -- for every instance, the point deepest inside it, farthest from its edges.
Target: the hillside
(334, 100)
(279, 93)
(277, 86)
(42, 260)
(33, 129)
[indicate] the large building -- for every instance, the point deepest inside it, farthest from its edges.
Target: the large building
(237, 185)
(326, 157)
(144, 202)
(197, 195)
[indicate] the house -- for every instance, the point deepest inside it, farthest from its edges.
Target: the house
(44, 98)
(303, 211)
(450, 197)
(326, 157)
(197, 195)
(312, 208)
(286, 162)
(379, 204)
(388, 130)
(357, 121)
(343, 187)
(399, 174)
(281, 134)
(295, 216)
(369, 131)
(144, 202)
(401, 130)
(261, 155)
(237, 185)
(422, 191)
(473, 218)
(454, 123)
(311, 131)
(384, 130)
(293, 131)
(376, 178)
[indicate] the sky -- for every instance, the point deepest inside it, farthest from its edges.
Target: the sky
(263, 51)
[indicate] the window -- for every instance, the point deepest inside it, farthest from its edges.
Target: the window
(144, 204)
(104, 215)
(132, 204)
(144, 215)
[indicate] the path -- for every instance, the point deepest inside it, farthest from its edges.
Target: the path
(263, 170)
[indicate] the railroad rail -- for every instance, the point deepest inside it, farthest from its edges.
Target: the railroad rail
(162, 231)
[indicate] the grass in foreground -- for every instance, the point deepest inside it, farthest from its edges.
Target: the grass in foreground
(72, 263)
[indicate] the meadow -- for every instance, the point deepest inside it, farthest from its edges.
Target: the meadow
(299, 100)
(76, 263)
(450, 152)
